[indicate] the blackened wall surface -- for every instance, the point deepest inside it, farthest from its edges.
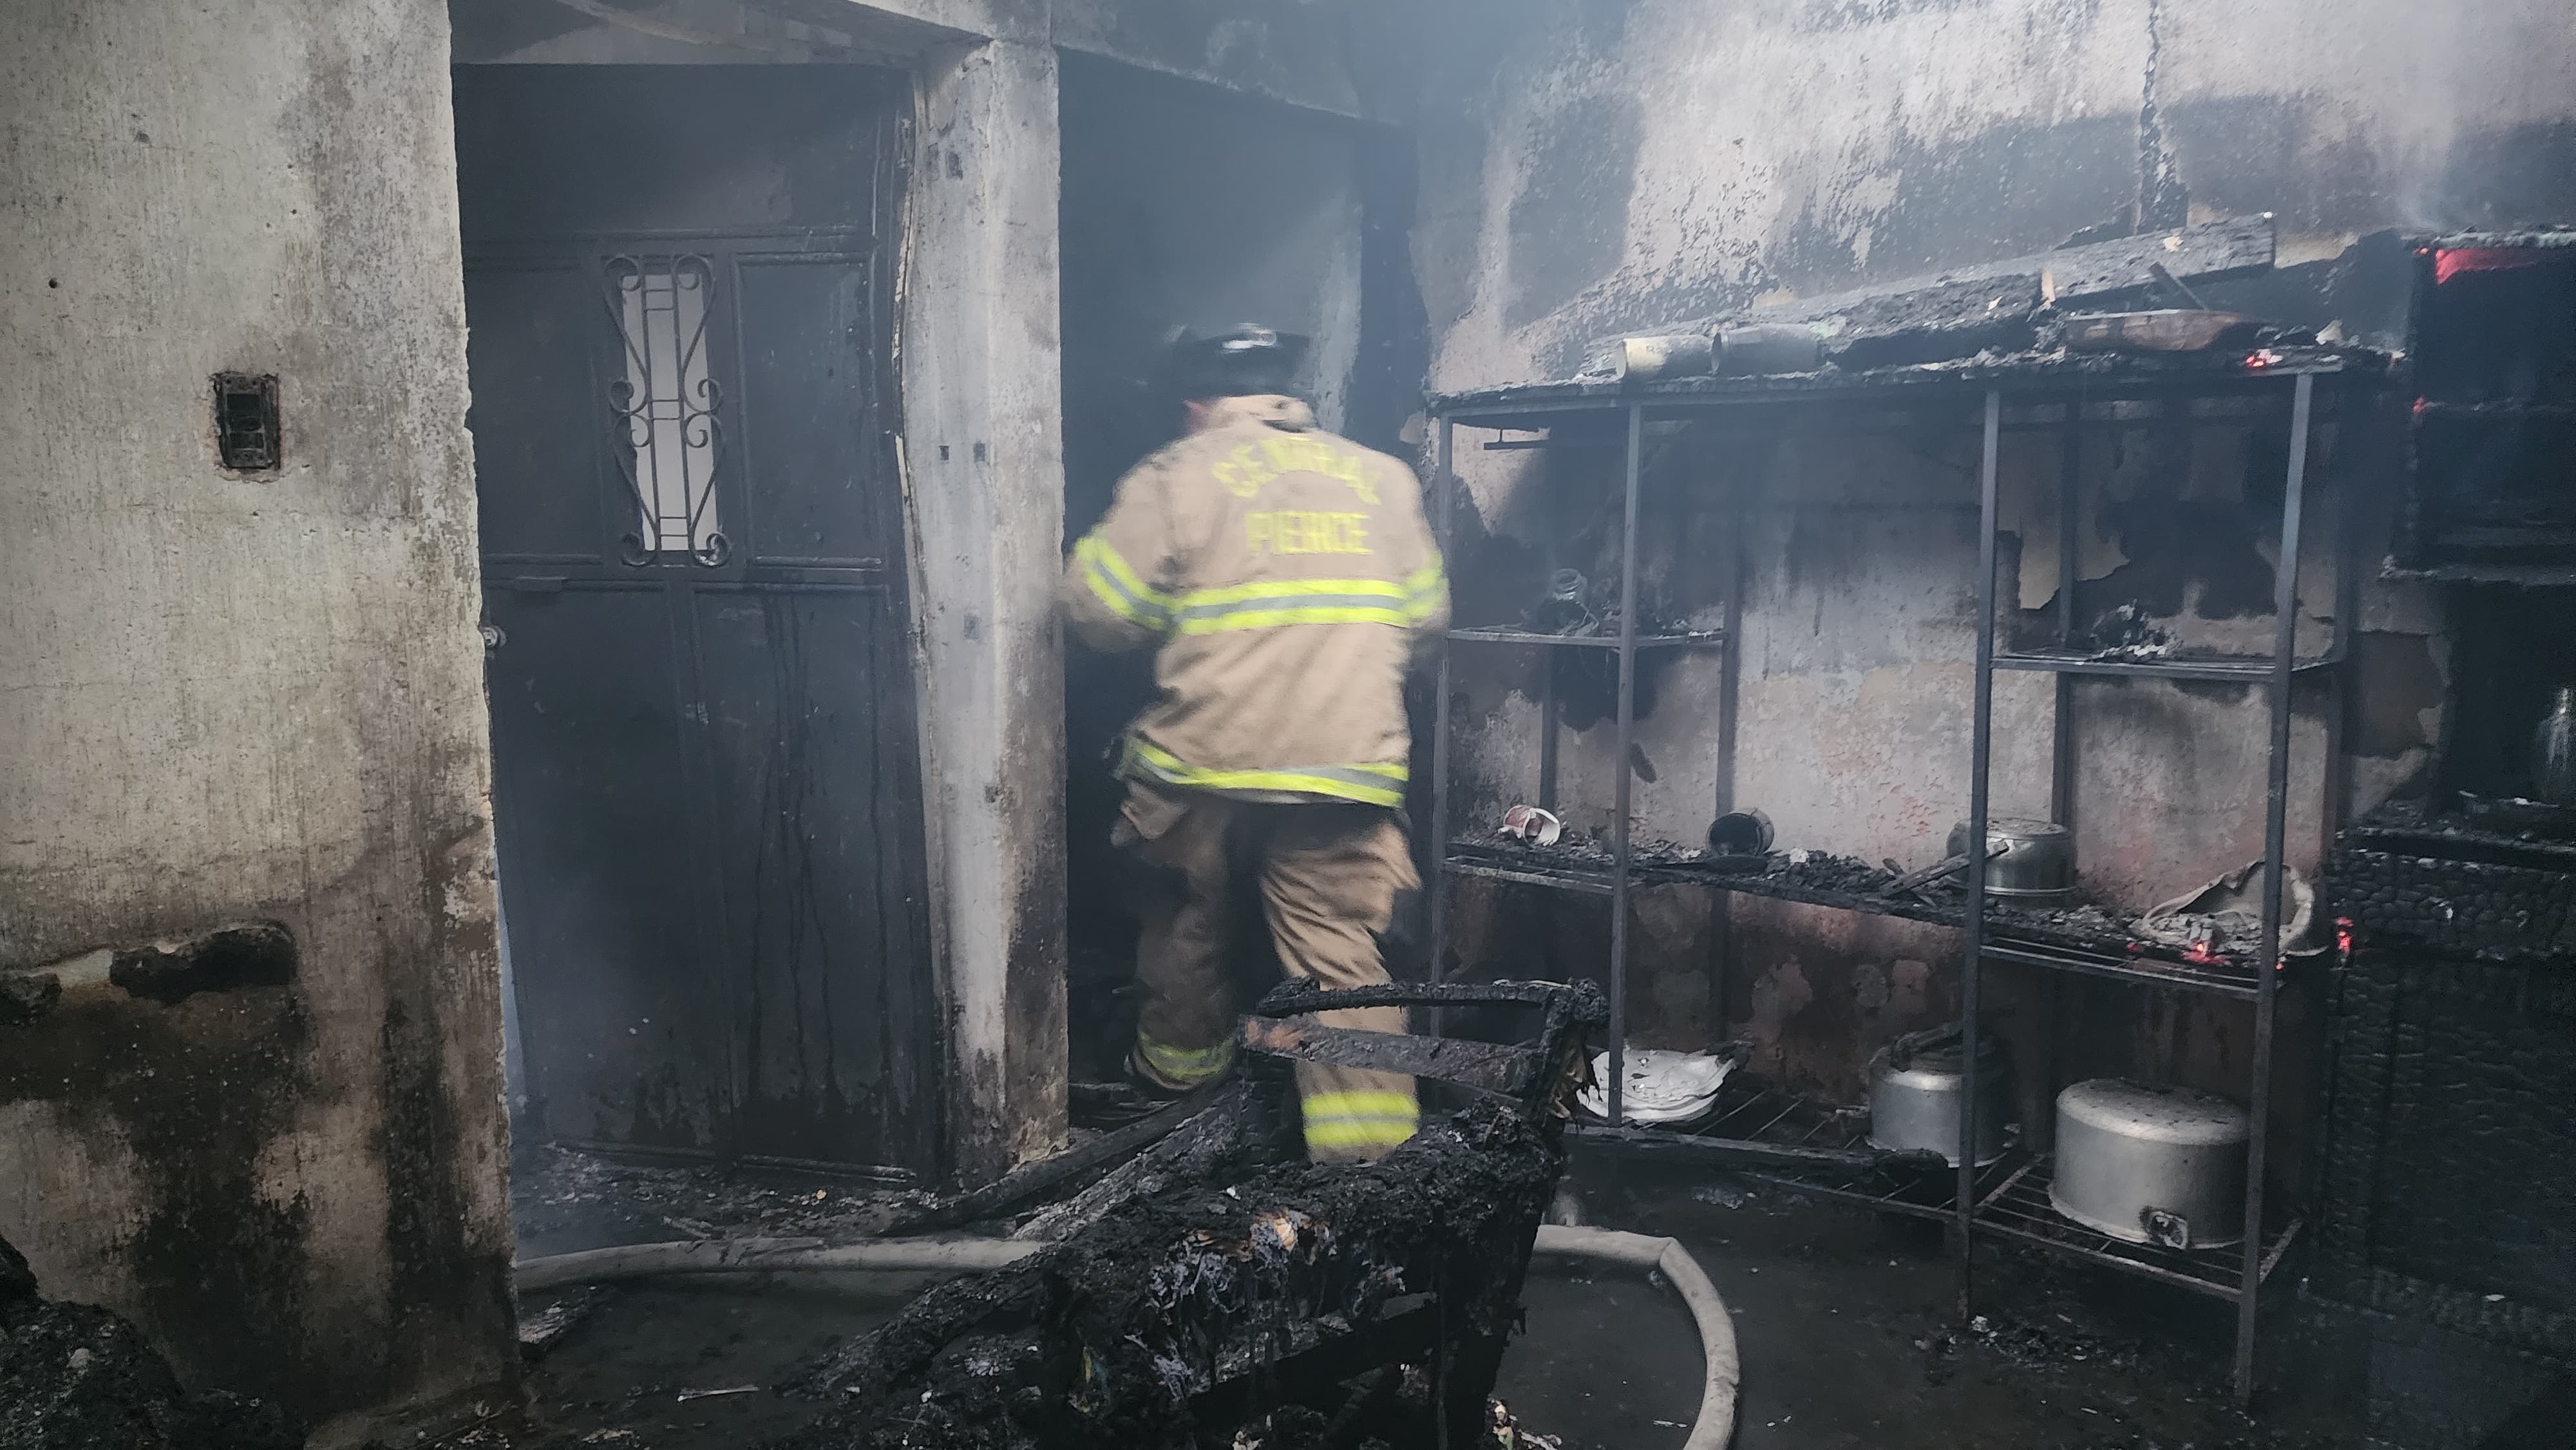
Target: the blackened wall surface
(247, 696)
(1592, 167)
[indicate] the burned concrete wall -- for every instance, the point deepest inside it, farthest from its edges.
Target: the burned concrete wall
(1585, 170)
(246, 697)
(1592, 168)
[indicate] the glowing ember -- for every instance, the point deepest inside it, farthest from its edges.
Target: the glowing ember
(2450, 262)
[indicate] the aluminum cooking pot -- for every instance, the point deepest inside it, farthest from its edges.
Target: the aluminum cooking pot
(2038, 860)
(1914, 1095)
(2150, 1165)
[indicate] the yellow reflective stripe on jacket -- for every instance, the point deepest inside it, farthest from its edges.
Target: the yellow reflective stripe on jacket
(1295, 601)
(1115, 583)
(1184, 1066)
(1375, 785)
(1424, 590)
(1343, 1121)
(1273, 614)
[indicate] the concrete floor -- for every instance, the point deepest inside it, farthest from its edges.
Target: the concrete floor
(1844, 1321)
(618, 1378)
(1849, 1335)
(1847, 1329)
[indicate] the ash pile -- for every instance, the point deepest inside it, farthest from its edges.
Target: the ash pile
(77, 1377)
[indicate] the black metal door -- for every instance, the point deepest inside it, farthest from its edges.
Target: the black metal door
(705, 762)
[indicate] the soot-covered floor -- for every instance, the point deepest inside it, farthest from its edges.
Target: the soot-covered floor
(1845, 1323)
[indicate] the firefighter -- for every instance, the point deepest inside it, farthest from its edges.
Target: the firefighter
(1286, 580)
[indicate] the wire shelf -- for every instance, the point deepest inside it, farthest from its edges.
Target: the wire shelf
(1752, 1110)
(1930, 1192)
(2019, 1209)
(2118, 961)
(1687, 639)
(2171, 667)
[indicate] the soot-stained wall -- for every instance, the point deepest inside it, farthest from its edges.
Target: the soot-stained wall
(246, 697)
(1589, 169)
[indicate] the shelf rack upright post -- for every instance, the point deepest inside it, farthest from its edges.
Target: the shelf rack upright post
(1626, 643)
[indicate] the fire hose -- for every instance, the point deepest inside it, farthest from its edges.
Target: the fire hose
(1716, 1423)
(1711, 1431)
(753, 1256)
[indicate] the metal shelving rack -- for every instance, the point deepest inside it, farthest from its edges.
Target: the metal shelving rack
(2019, 1209)
(2009, 1200)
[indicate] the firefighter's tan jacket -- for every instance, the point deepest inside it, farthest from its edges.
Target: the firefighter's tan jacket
(1289, 581)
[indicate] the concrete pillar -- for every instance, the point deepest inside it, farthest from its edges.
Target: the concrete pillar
(984, 490)
(248, 695)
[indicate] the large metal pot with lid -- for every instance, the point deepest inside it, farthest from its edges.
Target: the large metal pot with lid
(2156, 1165)
(1914, 1094)
(2026, 860)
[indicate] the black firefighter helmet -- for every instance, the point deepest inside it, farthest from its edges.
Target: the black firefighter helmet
(1232, 362)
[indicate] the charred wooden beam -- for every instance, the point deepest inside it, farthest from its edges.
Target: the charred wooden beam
(1032, 1181)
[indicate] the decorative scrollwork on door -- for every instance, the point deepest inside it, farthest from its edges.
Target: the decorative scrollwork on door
(665, 408)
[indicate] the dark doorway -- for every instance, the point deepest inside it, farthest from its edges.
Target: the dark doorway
(706, 781)
(1186, 205)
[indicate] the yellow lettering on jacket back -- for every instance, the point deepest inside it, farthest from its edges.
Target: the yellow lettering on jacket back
(1299, 531)
(1251, 465)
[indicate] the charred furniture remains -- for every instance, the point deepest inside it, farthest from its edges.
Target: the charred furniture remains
(2008, 363)
(2494, 422)
(2450, 1130)
(2451, 1126)
(1224, 1281)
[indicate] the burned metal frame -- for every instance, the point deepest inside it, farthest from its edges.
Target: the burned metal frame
(1233, 1282)
(1976, 1206)
(1530, 1076)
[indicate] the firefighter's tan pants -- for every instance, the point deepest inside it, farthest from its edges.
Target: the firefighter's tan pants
(1328, 876)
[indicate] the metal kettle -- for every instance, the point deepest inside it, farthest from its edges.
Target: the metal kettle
(1914, 1094)
(2553, 752)
(2029, 861)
